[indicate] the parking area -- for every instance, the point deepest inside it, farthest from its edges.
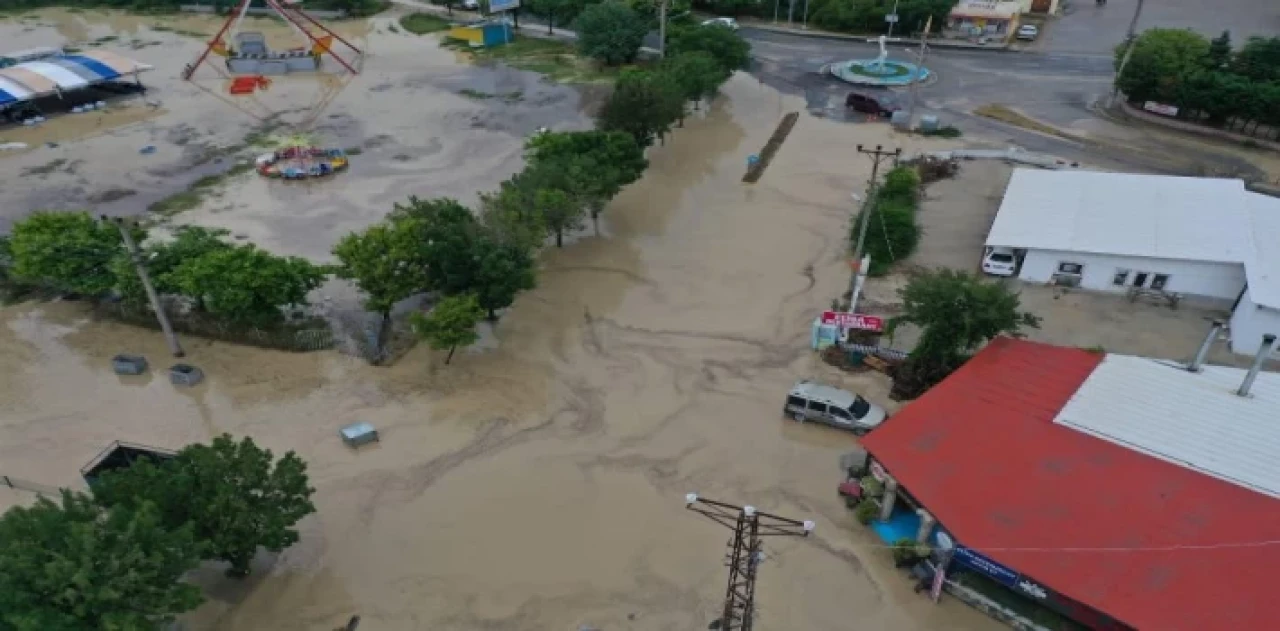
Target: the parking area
(955, 218)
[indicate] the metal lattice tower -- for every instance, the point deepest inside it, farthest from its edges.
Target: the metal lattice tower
(746, 551)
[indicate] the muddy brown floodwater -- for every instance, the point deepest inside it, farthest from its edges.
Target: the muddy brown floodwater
(539, 484)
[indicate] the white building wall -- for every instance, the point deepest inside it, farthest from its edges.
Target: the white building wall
(1249, 322)
(1195, 278)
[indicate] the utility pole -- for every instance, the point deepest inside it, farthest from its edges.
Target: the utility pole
(140, 265)
(868, 207)
(775, 10)
(791, 9)
(915, 81)
(745, 553)
(1129, 39)
(892, 18)
(662, 29)
(805, 23)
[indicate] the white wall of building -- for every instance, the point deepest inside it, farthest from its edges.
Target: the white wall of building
(1249, 322)
(1193, 278)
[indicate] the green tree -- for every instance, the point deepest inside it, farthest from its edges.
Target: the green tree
(555, 12)
(246, 285)
(901, 183)
(1161, 59)
(1219, 55)
(189, 242)
(643, 104)
(730, 51)
(697, 74)
(234, 495)
(502, 271)
(610, 32)
(387, 263)
(560, 212)
(447, 232)
(66, 251)
(450, 324)
(593, 166)
(892, 236)
(510, 214)
(1259, 59)
(73, 566)
(956, 312)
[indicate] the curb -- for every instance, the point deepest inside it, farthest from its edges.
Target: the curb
(869, 39)
(1134, 114)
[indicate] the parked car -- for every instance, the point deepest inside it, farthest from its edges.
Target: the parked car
(867, 104)
(808, 401)
(729, 22)
(1000, 262)
(471, 5)
(1028, 32)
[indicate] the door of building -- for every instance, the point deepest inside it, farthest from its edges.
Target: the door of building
(1041, 6)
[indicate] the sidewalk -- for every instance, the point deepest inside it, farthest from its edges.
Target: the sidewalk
(762, 25)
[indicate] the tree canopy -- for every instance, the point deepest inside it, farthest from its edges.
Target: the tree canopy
(446, 232)
(730, 51)
(1161, 59)
(610, 32)
(234, 496)
(386, 261)
(697, 74)
(643, 104)
(246, 285)
(502, 271)
(590, 166)
(73, 566)
(956, 313)
(450, 324)
(66, 251)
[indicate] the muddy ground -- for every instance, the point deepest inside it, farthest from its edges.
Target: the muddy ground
(537, 483)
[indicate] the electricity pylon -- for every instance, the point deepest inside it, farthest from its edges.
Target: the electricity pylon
(745, 553)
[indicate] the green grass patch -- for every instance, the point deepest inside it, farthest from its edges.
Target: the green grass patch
(161, 28)
(890, 70)
(353, 151)
(423, 23)
(194, 196)
(556, 59)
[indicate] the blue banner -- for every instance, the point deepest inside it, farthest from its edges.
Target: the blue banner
(981, 564)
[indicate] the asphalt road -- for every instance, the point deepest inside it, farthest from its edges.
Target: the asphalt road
(1086, 27)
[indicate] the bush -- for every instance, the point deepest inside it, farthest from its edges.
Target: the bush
(871, 487)
(949, 131)
(908, 552)
(901, 183)
(866, 511)
(892, 236)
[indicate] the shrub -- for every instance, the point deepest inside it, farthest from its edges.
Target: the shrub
(901, 183)
(871, 487)
(892, 236)
(866, 511)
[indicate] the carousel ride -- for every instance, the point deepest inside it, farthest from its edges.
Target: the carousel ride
(301, 162)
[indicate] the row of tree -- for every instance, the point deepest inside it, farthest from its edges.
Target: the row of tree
(1206, 79)
(115, 558)
(238, 284)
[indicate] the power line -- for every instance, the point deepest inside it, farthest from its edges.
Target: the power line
(745, 553)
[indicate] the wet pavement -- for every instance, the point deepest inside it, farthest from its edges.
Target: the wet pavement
(539, 484)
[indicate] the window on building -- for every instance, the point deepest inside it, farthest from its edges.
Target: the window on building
(1065, 267)
(1159, 281)
(1140, 279)
(1121, 277)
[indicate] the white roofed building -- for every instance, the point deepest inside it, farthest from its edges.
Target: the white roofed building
(1186, 237)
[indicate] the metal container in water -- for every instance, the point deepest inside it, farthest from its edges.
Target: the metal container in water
(185, 375)
(125, 364)
(357, 434)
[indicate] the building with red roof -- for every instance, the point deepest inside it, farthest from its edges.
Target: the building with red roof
(1136, 492)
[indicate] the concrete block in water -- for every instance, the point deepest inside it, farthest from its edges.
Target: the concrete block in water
(185, 375)
(125, 364)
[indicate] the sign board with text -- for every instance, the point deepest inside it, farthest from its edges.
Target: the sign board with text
(986, 567)
(1160, 108)
(498, 6)
(857, 321)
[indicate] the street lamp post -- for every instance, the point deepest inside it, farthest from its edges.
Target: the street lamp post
(894, 20)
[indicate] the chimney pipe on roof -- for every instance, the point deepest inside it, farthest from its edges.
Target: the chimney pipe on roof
(1198, 363)
(1268, 341)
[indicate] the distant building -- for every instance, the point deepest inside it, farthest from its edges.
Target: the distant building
(1122, 492)
(984, 18)
(1200, 237)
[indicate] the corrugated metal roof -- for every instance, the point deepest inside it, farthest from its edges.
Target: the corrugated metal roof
(1262, 269)
(1152, 544)
(1194, 420)
(1182, 218)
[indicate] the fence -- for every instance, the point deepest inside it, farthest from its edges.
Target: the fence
(306, 336)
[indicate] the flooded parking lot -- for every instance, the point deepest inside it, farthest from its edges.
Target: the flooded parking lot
(537, 484)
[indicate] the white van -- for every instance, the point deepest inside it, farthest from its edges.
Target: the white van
(810, 401)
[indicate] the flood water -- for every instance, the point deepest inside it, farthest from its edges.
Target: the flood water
(539, 483)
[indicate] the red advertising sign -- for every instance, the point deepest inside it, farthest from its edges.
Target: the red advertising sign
(857, 321)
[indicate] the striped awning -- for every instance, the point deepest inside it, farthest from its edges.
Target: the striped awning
(34, 79)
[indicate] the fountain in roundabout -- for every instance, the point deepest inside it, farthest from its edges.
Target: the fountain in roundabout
(879, 71)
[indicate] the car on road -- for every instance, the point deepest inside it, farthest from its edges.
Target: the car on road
(1028, 32)
(1000, 262)
(726, 22)
(809, 401)
(471, 5)
(880, 105)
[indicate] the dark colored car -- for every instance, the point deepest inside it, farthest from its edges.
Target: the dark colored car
(878, 105)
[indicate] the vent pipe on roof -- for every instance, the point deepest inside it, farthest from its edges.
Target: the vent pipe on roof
(1264, 351)
(1198, 363)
